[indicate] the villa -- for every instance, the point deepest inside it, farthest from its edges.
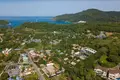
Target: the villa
(25, 58)
(26, 70)
(88, 50)
(114, 74)
(13, 72)
(17, 78)
(102, 35)
(101, 71)
(81, 21)
(108, 73)
(33, 54)
(51, 70)
(6, 51)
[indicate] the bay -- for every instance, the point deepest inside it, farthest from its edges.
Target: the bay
(15, 21)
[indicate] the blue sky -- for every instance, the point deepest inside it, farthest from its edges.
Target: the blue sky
(53, 7)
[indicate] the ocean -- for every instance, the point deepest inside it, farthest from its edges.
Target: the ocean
(17, 21)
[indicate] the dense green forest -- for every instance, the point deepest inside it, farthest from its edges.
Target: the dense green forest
(3, 22)
(91, 15)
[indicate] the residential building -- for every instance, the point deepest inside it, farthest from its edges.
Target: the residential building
(102, 35)
(13, 70)
(81, 21)
(101, 71)
(108, 73)
(33, 54)
(16, 78)
(51, 70)
(25, 58)
(88, 50)
(7, 51)
(26, 70)
(114, 74)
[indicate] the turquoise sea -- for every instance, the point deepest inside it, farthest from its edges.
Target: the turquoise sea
(17, 21)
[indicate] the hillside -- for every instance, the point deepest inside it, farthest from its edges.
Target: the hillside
(3, 22)
(91, 15)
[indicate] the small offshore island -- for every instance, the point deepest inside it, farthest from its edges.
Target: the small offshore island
(86, 50)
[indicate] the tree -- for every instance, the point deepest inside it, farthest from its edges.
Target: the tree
(113, 58)
(4, 76)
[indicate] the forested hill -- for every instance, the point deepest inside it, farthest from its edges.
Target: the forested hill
(91, 15)
(3, 22)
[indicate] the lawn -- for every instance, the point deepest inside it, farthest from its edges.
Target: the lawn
(103, 62)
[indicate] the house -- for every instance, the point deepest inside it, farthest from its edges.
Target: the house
(108, 73)
(81, 21)
(109, 34)
(51, 70)
(33, 54)
(55, 42)
(25, 58)
(114, 74)
(13, 70)
(26, 70)
(76, 46)
(16, 78)
(7, 51)
(17, 49)
(76, 53)
(83, 57)
(73, 63)
(65, 59)
(88, 50)
(102, 35)
(101, 71)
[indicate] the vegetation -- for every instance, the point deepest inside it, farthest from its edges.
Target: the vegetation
(108, 53)
(31, 77)
(3, 22)
(91, 15)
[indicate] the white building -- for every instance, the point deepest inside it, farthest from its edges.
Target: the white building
(86, 49)
(114, 74)
(101, 71)
(7, 51)
(81, 21)
(108, 73)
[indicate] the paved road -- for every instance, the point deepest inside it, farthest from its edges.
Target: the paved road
(41, 77)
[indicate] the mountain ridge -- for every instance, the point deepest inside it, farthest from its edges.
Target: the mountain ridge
(91, 15)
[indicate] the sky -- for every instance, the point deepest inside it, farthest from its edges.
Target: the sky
(53, 7)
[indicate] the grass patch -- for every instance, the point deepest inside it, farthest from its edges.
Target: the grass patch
(103, 62)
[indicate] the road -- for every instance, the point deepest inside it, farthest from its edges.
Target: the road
(41, 77)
